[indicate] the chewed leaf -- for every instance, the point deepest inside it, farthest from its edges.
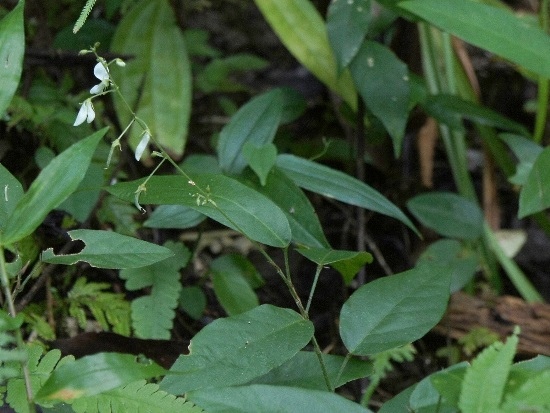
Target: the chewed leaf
(106, 249)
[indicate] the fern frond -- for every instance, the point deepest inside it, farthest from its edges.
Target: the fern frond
(40, 368)
(152, 315)
(84, 15)
(108, 309)
(136, 397)
(10, 357)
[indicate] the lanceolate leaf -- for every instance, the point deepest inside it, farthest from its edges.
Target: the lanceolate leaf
(12, 49)
(490, 28)
(256, 122)
(304, 222)
(526, 150)
(52, 186)
(11, 192)
(448, 214)
(302, 31)
(157, 81)
(535, 194)
(251, 344)
(383, 82)
(401, 308)
(106, 249)
(95, 374)
(338, 185)
(347, 26)
(273, 399)
(224, 199)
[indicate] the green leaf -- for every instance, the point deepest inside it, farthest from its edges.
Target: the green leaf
(485, 380)
(302, 30)
(96, 374)
(338, 185)
(11, 193)
(526, 151)
(153, 314)
(450, 109)
(448, 382)
(256, 122)
(157, 81)
(462, 262)
(174, 216)
(490, 28)
(52, 186)
(272, 399)
(193, 301)
(12, 50)
(260, 158)
(402, 308)
(304, 222)
(383, 82)
(231, 286)
(251, 344)
(535, 194)
(347, 263)
(347, 26)
(531, 396)
(136, 397)
(226, 201)
(448, 214)
(106, 249)
(303, 370)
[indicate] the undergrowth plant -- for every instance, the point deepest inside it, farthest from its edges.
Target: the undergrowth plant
(264, 358)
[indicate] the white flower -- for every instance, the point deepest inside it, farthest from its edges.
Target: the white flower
(142, 145)
(86, 113)
(102, 73)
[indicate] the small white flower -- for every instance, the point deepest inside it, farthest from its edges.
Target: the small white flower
(86, 113)
(102, 73)
(142, 145)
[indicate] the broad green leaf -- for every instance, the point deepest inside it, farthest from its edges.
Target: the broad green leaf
(174, 216)
(401, 308)
(82, 201)
(95, 374)
(535, 194)
(532, 396)
(450, 109)
(272, 399)
(238, 264)
(256, 122)
(304, 222)
(260, 159)
(485, 380)
(526, 150)
(106, 249)
(448, 214)
(231, 287)
(338, 185)
(302, 30)
(224, 199)
(12, 50)
(399, 403)
(347, 263)
(52, 186)
(490, 28)
(448, 382)
(157, 81)
(303, 370)
(237, 349)
(383, 82)
(153, 314)
(462, 262)
(347, 26)
(426, 398)
(11, 192)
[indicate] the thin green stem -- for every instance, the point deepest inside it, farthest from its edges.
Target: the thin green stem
(342, 368)
(18, 335)
(313, 286)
